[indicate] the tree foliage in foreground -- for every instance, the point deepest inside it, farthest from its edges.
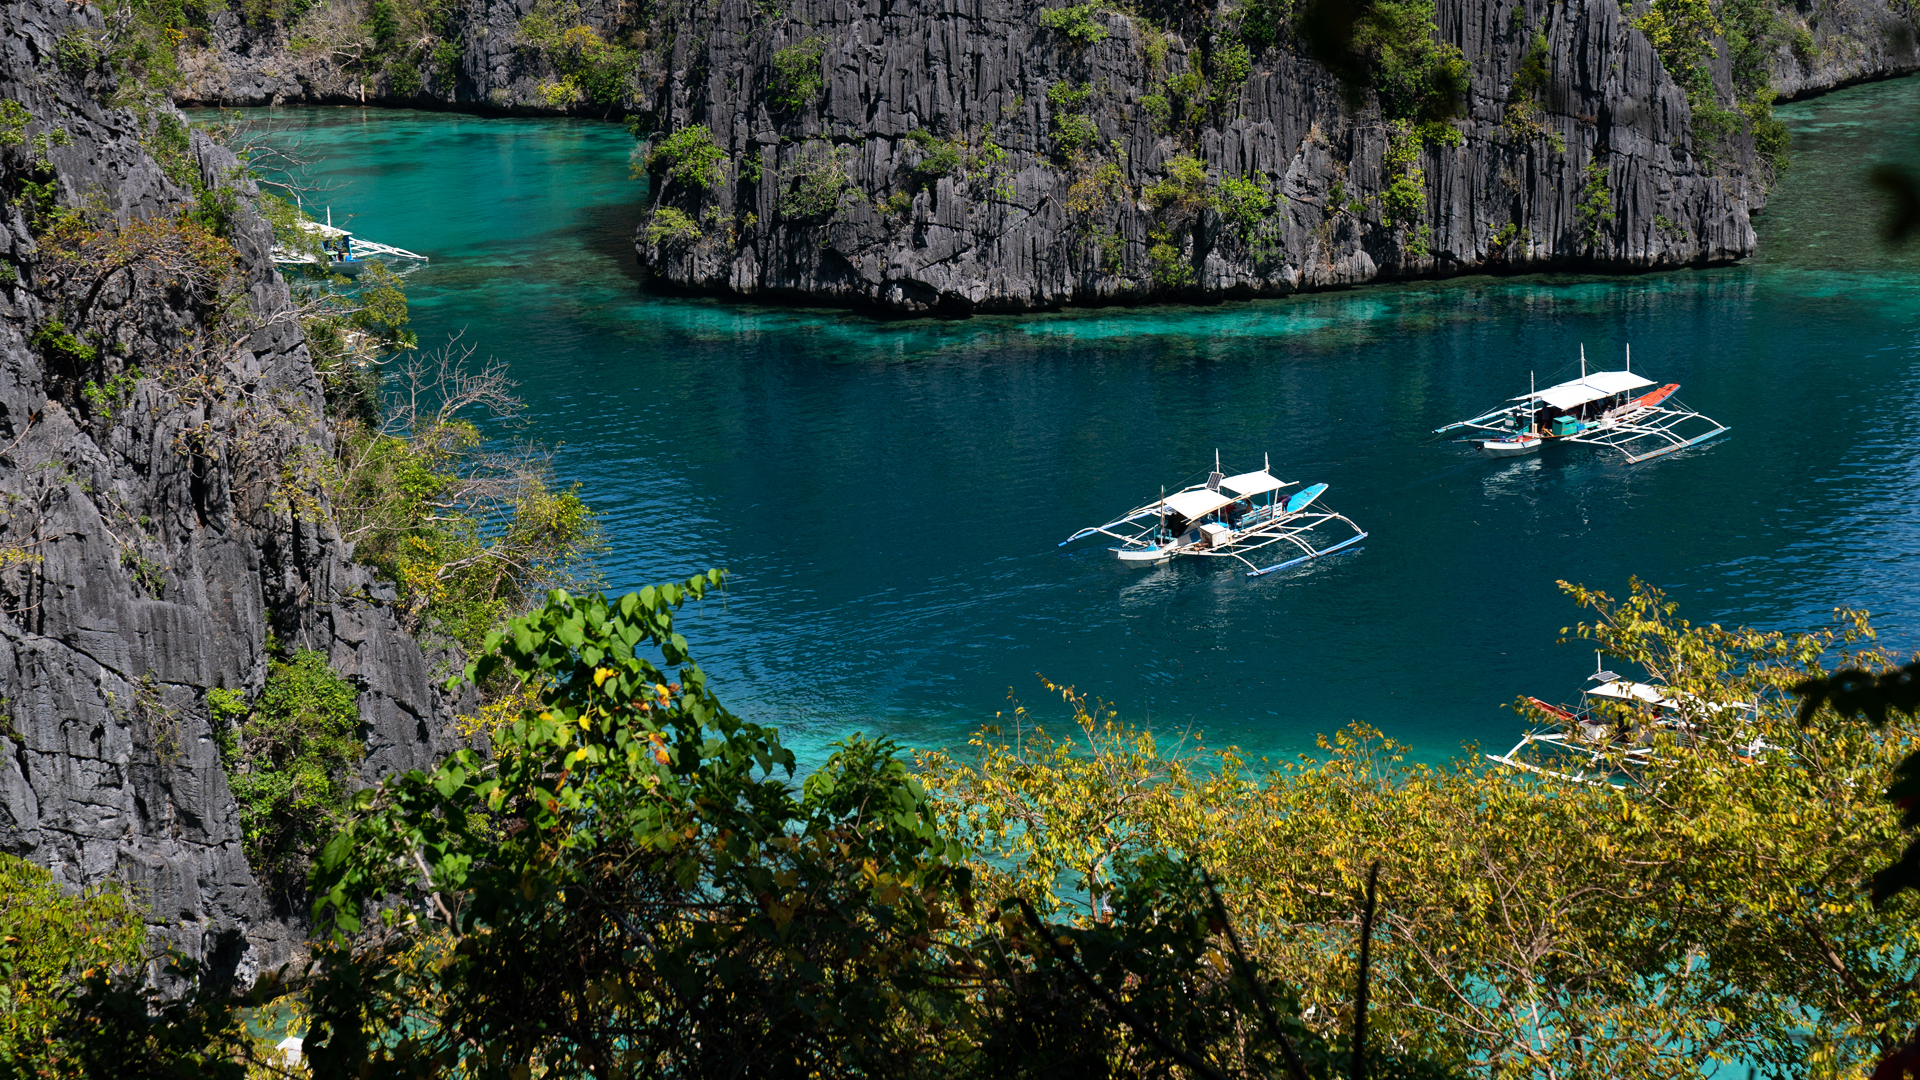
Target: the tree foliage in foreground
(1712, 907)
(632, 886)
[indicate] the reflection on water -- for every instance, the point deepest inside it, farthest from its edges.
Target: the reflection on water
(889, 494)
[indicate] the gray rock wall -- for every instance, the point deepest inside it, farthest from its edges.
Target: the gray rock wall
(1014, 236)
(162, 543)
(1825, 44)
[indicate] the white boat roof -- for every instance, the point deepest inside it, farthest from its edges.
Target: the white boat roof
(326, 231)
(1622, 690)
(1248, 484)
(1196, 503)
(1591, 387)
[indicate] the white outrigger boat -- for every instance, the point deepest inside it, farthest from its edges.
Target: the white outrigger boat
(1230, 517)
(341, 252)
(1602, 408)
(1615, 726)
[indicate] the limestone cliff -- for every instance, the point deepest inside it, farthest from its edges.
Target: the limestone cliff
(1823, 44)
(159, 515)
(978, 160)
(1601, 173)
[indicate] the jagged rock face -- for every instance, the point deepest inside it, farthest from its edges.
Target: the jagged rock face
(165, 537)
(1015, 238)
(1833, 43)
(250, 65)
(1018, 235)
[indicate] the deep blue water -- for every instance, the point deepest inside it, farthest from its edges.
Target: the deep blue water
(888, 494)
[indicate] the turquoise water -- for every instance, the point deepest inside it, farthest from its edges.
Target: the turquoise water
(889, 494)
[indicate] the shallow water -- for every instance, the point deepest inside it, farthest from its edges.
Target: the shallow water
(889, 494)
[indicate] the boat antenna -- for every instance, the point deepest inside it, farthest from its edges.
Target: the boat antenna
(1583, 359)
(1629, 357)
(329, 217)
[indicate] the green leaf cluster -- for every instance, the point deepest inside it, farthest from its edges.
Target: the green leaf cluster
(1416, 75)
(672, 226)
(289, 759)
(797, 75)
(1699, 902)
(630, 882)
(941, 157)
(814, 187)
(1078, 22)
(1595, 201)
(690, 156)
(1186, 187)
(1245, 206)
(48, 939)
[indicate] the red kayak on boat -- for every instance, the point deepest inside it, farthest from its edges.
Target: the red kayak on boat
(1657, 396)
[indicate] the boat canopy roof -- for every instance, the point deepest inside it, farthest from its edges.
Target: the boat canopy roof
(1196, 503)
(1592, 387)
(1622, 690)
(1248, 484)
(1659, 696)
(324, 231)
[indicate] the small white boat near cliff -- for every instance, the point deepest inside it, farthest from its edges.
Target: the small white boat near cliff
(1231, 517)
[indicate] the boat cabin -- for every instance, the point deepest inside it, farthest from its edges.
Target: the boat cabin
(1569, 407)
(1208, 516)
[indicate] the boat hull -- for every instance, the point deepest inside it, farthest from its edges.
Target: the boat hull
(1143, 555)
(1509, 447)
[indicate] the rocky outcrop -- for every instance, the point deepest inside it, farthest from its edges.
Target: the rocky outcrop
(485, 64)
(1824, 44)
(1601, 168)
(1601, 174)
(159, 516)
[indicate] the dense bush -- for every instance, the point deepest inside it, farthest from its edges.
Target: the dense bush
(47, 939)
(1707, 905)
(690, 156)
(1416, 75)
(1078, 23)
(797, 78)
(1185, 187)
(289, 758)
(672, 227)
(814, 186)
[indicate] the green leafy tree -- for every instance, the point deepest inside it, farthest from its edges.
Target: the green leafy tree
(1709, 908)
(1391, 47)
(1078, 22)
(630, 884)
(48, 939)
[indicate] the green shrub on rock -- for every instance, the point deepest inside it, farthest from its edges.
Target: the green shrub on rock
(814, 187)
(1076, 22)
(672, 227)
(797, 78)
(289, 757)
(691, 157)
(1184, 187)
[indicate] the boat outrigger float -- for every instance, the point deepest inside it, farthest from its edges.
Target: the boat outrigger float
(1611, 409)
(1230, 517)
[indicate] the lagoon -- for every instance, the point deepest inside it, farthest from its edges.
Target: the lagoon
(888, 494)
